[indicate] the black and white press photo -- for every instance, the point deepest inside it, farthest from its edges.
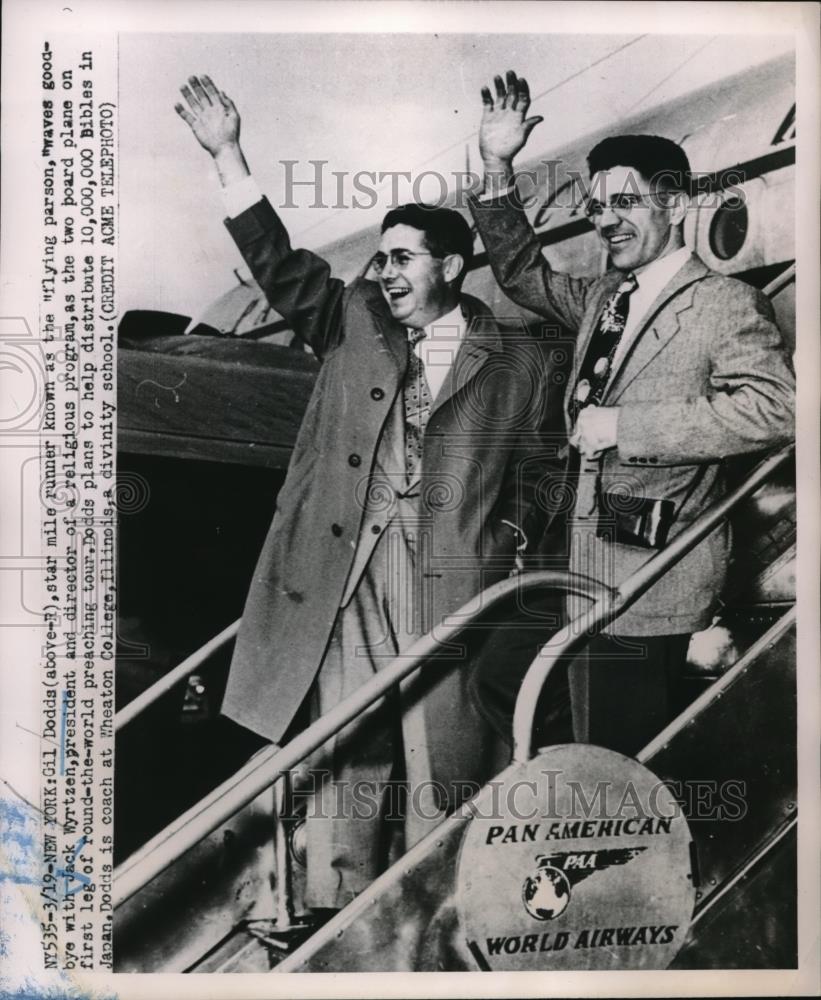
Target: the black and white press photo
(424, 555)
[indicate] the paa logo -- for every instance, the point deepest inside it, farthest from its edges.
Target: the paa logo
(546, 892)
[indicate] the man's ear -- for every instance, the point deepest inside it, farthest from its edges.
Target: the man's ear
(679, 203)
(452, 267)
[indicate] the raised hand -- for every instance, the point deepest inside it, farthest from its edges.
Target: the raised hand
(505, 127)
(211, 115)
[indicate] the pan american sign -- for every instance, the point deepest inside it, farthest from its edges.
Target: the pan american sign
(611, 889)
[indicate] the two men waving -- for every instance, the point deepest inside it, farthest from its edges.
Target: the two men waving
(418, 465)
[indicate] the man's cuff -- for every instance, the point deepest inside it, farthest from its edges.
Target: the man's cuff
(240, 195)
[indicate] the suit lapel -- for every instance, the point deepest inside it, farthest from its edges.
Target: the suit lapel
(388, 331)
(659, 326)
(481, 340)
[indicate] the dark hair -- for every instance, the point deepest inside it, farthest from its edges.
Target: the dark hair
(653, 156)
(445, 230)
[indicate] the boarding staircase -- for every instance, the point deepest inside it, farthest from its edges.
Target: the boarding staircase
(212, 892)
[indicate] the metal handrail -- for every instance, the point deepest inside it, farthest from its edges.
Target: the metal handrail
(614, 602)
(139, 704)
(780, 281)
(267, 765)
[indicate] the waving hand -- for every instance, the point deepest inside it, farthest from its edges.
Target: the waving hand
(505, 126)
(213, 118)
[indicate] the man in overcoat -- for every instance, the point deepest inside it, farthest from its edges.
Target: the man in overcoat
(412, 482)
(676, 368)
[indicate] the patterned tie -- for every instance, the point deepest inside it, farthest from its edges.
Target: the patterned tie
(598, 361)
(417, 398)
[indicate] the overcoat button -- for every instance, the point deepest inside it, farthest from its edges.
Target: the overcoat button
(376, 529)
(354, 460)
(336, 529)
(377, 393)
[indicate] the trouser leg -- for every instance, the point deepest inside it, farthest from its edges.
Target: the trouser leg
(424, 805)
(501, 665)
(347, 848)
(623, 689)
(349, 777)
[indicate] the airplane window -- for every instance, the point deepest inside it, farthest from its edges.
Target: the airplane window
(728, 229)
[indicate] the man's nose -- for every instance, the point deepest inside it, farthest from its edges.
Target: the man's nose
(609, 217)
(389, 269)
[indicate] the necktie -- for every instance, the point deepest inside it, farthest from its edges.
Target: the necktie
(595, 369)
(417, 399)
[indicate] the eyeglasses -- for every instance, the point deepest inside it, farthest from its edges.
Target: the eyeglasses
(401, 259)
(621, 204)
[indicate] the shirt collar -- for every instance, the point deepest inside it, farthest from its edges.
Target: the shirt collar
(655, 275)
(451, 326)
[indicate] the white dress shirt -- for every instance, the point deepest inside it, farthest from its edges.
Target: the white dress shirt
(651, 280)
(438, 349)
(240, 195)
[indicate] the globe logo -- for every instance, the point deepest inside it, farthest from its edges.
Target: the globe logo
(546, 893)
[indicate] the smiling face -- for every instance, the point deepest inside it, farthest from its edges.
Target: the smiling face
(419, 291)
(638, 234)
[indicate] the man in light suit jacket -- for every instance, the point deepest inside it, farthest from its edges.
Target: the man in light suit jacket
(384, 526)
(676, 368)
